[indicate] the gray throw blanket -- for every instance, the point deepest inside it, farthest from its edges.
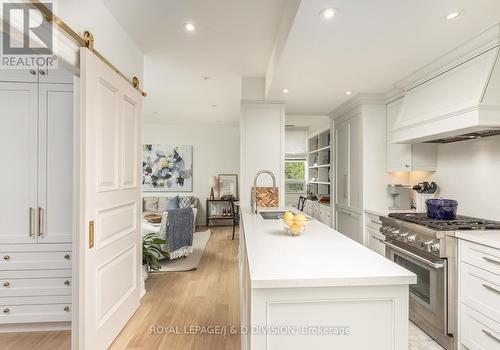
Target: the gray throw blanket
(177, 230)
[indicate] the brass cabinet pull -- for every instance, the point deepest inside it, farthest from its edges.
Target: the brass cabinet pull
(32, 72)
(491, 335)
(40, 221)
(91, 234)
(31, 213)
(6, 311)
(6, 257)
(6, 284)
(67, 256)
(66, 283)
(41, 72)
(66, 308)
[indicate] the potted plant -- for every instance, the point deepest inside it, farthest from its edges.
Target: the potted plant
(151, 253)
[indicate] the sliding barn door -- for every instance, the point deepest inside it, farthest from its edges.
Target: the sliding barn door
(110, 254)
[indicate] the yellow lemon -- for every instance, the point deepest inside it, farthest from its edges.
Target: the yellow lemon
(288, 222)
(299, 218)
(300, 223)
(288, 216)
(295, 229)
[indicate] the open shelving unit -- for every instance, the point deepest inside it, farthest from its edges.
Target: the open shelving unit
(319, 163)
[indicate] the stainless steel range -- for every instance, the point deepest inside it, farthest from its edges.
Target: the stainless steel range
(428, 248)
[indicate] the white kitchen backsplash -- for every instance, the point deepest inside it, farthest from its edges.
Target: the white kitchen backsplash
(469, 171)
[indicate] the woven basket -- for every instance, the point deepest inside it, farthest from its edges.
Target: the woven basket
(267, 196)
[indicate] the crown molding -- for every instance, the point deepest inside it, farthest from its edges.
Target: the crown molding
(356, 102)
(394, 94)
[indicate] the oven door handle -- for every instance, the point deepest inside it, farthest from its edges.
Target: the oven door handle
(415, 256)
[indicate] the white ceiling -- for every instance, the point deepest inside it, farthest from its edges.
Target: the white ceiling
(233, 38)
(311, 122)
(366, 48)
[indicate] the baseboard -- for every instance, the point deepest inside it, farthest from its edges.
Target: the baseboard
(35, 327)
(143, 293)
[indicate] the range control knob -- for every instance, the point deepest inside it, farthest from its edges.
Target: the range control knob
(435, 247)
(411, 238)
(403, 236)
(387, 231)
(431, 246)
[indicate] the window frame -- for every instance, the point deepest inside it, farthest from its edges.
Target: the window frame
(295, 181)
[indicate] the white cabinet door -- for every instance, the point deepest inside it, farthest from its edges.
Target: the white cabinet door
(350, 224)
(342, 163)
(374, 241)
(19, 75)
(398, 155)
(407, 157)
(18, 150)
(55, 186)
(355, 179)
(110, 259)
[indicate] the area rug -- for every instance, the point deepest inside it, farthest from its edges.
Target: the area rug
(200, 240)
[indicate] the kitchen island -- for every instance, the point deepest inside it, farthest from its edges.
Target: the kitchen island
(319, 290)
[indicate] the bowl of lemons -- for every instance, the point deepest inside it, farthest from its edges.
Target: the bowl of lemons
(295, 224)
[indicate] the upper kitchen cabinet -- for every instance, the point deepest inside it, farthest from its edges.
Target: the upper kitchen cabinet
(348, 148)
(407, 157)
(360, 161)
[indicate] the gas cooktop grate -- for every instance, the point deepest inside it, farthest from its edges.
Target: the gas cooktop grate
(460, 223)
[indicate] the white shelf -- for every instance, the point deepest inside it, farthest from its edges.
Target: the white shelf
(319, 166)
(319, 182)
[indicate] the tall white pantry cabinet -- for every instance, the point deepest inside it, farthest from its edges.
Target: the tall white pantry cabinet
(36, 205)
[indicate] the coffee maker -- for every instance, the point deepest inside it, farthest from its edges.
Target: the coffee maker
(401, 196)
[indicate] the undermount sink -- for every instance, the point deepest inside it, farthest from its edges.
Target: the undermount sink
(271, 215)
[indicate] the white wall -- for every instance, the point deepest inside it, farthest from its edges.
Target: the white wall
(468, 171)
(215, 151)
(111, 39)
(262, 128)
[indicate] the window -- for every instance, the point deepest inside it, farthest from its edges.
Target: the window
(295, 176)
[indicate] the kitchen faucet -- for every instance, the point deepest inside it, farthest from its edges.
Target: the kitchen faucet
(254, 188)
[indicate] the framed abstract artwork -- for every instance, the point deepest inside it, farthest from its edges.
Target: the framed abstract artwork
(167, 168)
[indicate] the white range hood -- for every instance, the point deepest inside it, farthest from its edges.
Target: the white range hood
(458, 104)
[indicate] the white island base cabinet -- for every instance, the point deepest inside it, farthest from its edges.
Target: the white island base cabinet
(326, 318)
(295, 311)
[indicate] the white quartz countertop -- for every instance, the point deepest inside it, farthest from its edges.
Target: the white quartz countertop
(319, 257)
(488, 238)
(386, 212)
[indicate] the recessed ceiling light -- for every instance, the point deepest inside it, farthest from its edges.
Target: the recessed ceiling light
(452, 15)
(285, 91)
(328, 13)
(348, 92)
(205, 77)
(189, 27)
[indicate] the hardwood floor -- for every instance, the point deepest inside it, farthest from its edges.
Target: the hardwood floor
(208, 296)
(60, 340)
